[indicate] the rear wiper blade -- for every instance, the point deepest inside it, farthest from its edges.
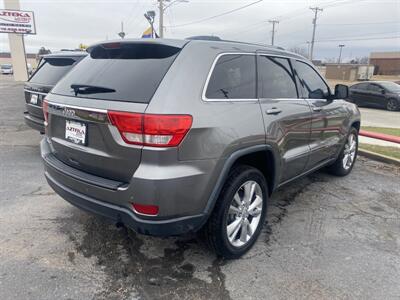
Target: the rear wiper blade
(90, 89)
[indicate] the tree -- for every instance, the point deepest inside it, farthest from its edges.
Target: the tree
(299, 50)
(360, 60)
(42, 51)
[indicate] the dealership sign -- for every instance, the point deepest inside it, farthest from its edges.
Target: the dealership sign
(17, 21)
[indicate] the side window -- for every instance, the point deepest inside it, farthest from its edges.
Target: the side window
(276, 78)
(311, 81)
(374, 88)
(233, 77)
(360, 86)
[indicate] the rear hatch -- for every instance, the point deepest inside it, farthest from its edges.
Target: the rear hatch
(116, 76)
(48, 73)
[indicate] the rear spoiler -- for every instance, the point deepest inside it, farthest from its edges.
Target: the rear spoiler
(114, 43)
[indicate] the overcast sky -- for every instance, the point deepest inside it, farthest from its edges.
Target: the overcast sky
(362, 25)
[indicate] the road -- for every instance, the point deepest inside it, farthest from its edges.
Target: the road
(326, 237)
(380, 118)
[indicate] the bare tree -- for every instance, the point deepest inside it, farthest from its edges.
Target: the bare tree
(42, 51)
(299, 50)
(360, 60)
(330, 60)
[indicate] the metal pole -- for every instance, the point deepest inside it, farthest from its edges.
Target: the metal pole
(316, 10)
(340, 53)
(273, 22)
(161, 29)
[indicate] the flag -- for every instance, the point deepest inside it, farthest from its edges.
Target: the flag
(147, 34)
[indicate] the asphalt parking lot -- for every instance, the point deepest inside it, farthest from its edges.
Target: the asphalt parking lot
(326, 237)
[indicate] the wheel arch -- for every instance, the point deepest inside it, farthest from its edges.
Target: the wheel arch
(262, 157)
(356, 125)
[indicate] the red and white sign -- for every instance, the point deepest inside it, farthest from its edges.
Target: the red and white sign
(17, 21)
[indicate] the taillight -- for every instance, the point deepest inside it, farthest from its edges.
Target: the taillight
(150, 129)
(45, 107)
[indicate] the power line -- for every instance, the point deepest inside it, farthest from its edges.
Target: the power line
(287, 16)
(219, 15)
(356, 24)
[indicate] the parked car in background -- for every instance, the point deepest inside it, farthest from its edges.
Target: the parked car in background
(142, 133)
(51, 69)
(381, 94)
(6, 69)
(29, 68)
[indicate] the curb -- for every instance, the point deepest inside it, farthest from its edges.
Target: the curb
(379, 157)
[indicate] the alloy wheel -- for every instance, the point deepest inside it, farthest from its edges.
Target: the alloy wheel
(349, 151)
(244, 213)
(392, 105)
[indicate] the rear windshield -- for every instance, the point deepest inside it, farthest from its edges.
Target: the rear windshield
(120, 72)
(51, 70)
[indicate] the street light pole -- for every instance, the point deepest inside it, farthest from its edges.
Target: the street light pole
(161, 7)
(150, 15)
(340, 53)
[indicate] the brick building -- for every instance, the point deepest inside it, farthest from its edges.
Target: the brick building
(386, 63)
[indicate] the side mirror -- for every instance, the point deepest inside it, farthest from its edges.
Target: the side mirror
(383, 92)
(341, 91)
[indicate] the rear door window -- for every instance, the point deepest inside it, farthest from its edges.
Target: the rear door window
(233, 77)
(374, 88)
(313, 85)
(51, 70)
(360, 86)
(276, 78)
(129, 72)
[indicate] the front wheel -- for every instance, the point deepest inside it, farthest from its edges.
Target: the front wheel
(239, 213)
(347, 157)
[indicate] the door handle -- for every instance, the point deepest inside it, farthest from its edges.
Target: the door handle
(273, 111)
(316, 108)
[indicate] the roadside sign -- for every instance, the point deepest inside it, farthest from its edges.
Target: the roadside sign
(17, 21)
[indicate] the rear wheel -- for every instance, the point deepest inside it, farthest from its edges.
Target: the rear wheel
(345, 162)
(239, 213)
(392, 105)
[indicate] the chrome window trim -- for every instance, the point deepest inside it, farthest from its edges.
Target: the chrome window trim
(78, 107)
(257, 53)
(34, 92)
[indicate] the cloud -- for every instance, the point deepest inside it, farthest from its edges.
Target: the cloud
(66, 24)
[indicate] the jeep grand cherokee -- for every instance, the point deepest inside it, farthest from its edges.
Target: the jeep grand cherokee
(172, 136)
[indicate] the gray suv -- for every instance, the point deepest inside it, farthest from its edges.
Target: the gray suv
(174, 136)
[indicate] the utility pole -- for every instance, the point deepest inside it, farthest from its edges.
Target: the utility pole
(316, 10)
(161, 7)
(308, 49)
(340, 53)
(273, 22)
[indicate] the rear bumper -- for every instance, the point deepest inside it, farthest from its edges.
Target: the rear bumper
(34, 123)
(125, 216)
(117, 213)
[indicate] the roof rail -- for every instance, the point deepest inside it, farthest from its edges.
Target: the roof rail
(204, 38)
(218, 39)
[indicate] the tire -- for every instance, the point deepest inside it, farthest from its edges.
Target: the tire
(339, 168)
(392, 105)
(249, 222)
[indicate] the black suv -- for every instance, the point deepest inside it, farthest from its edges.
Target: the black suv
(51, 69)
